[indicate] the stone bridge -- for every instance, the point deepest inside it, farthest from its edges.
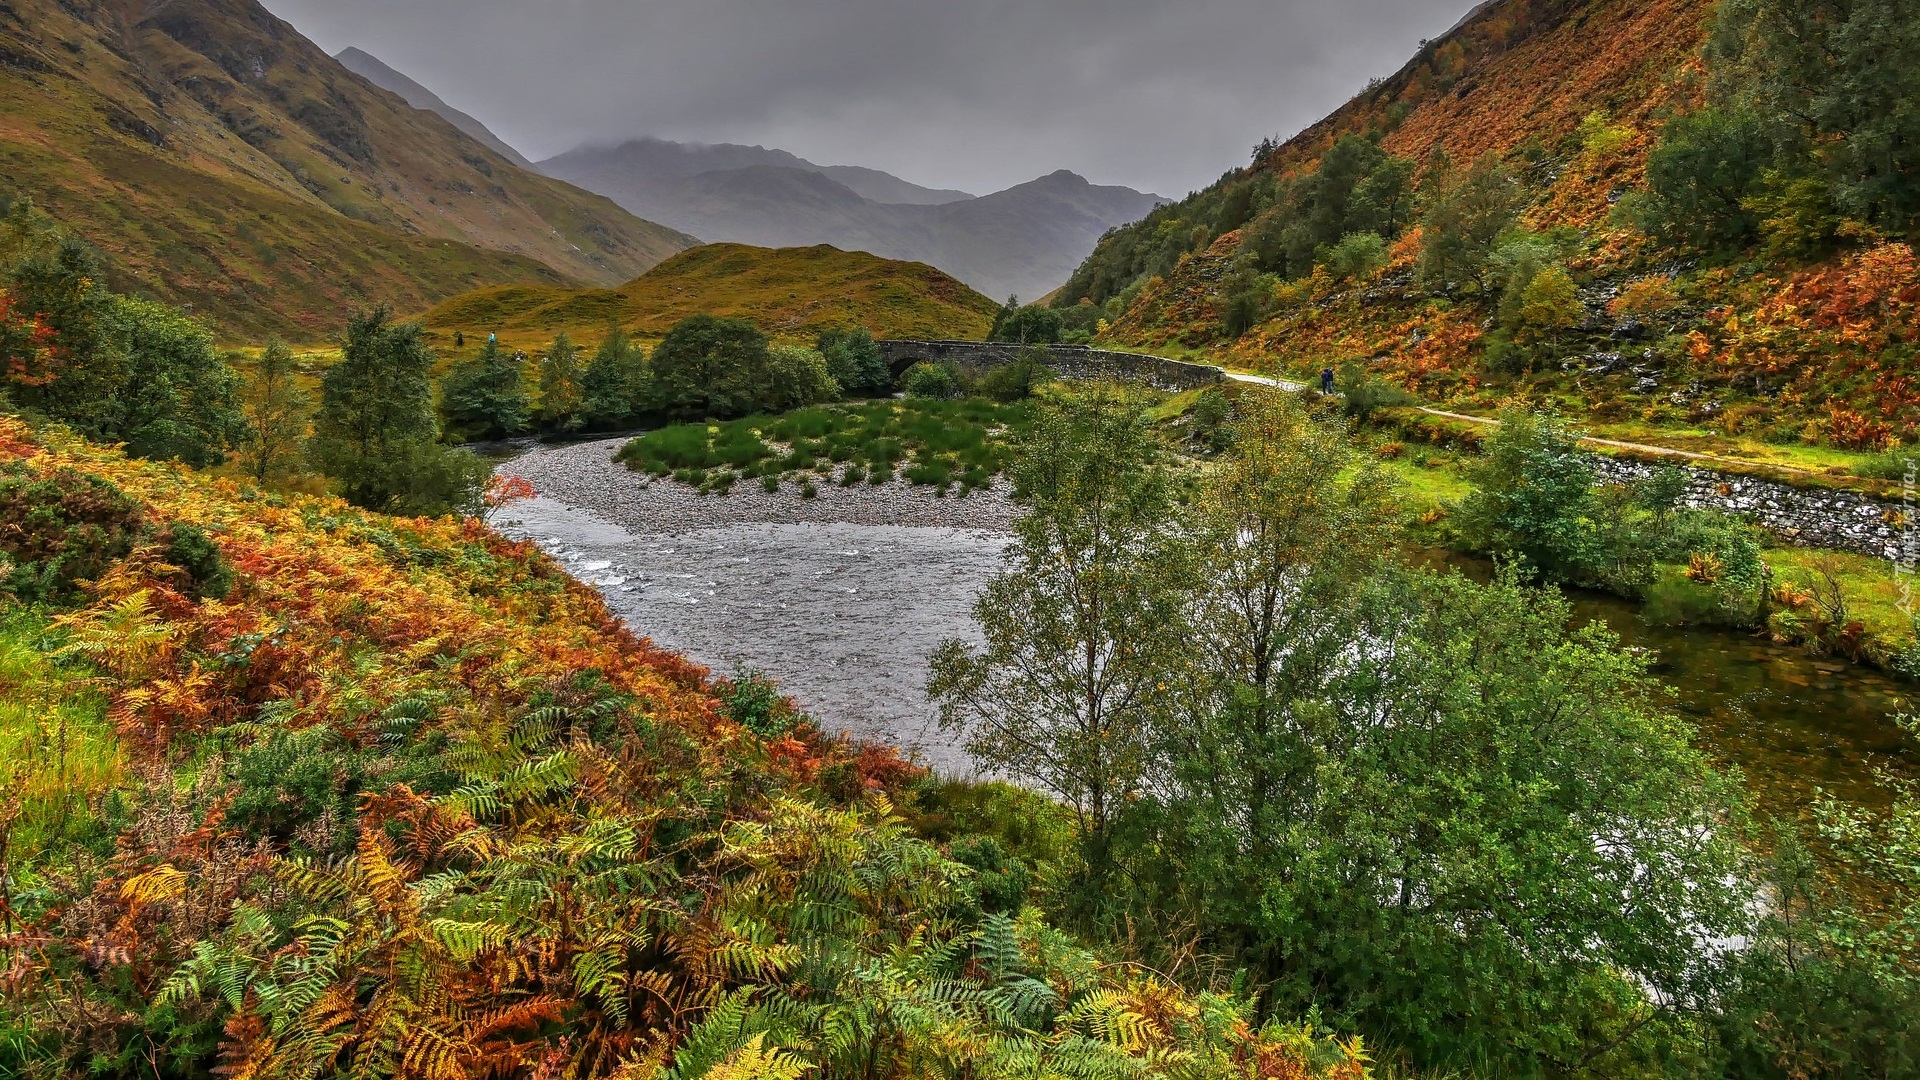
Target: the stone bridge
(1068, 361)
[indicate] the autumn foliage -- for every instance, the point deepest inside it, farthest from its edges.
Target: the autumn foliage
(410, 802)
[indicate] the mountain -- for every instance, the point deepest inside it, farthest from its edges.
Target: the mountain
(1024, 240)
(791, 292)
(370, 68)
(632, 171)
(1745, 302)
(219, 159)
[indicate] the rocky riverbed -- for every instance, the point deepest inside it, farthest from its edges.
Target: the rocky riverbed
(840, 598)
(585, 475)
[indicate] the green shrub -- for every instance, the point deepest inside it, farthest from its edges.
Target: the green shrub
(936, 473)
(1364, 393)
(1018, 380)
(193, 551)
(1896, 464)
(1000, 881)
(288, 781)
(1357, 256)
(936, 381)
(754, 701)
(60, 529)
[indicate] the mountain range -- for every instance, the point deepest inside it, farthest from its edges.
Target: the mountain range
(219, 159)
(1024, 240)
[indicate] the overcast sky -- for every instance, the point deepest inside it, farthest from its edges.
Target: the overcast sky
(1160, 95)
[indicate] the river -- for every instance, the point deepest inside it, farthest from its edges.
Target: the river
(843, 616)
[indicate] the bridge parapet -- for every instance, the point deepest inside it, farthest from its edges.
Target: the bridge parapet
(1070, 361)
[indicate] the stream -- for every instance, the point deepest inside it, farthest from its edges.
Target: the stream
(843, 616)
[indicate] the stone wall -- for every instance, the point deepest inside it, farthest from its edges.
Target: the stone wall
(1069, 361)
(1808, 517)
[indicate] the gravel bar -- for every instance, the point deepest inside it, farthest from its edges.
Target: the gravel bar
(585, 475)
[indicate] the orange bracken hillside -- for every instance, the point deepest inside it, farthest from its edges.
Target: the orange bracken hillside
(334, 790)
(1775, 348)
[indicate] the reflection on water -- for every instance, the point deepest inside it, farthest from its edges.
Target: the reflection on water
(845, 615)
(1791, 721)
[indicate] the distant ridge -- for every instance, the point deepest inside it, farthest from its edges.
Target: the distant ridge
(1025, 240)
(370, 68)
(651, 162)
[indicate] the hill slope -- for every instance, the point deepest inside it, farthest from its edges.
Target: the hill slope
(372, 69)
(791, 292)
(412, 745)
(1572, 96)
(1023, 240)
(220, 159)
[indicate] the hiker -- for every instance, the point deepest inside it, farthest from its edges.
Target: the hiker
(1326, 381)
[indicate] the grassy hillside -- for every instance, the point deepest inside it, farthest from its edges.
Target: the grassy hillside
(291, 788)
(787, 292)
(222, 160)
(1785, 344)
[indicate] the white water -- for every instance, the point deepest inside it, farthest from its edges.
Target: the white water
(842, 616)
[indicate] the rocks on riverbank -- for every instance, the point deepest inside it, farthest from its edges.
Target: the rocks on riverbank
(1804, 517)
(585, 475)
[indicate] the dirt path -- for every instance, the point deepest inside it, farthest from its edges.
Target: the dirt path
(1709, 460)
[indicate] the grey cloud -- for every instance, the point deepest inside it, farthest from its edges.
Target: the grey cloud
(975, 94)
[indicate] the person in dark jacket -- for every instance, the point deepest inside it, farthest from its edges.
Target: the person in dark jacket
(1326, 381)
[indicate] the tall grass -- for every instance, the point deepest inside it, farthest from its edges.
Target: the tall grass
(58, 753)
(927, 441)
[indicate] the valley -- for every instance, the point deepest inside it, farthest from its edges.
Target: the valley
(1436, 602)
(843, 612)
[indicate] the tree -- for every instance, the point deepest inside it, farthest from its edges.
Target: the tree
(1081, 626)
(1031, 325)
(1464, 217)
(1249, 299)
(854, 360)
(614, 383)
(1536, 501)
(1700, 177)
(560, 385)
(486, 397)
(796, 376)
(1283, 547)
(276, 409)
(707, 368)
(1550, 305)
(1832, 82)
(375, 432)
(1827, 984)
(1357, 256)
(1474, 819)
(172, 396)
(116, 368)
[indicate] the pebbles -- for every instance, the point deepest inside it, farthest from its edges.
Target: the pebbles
(585, 475)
